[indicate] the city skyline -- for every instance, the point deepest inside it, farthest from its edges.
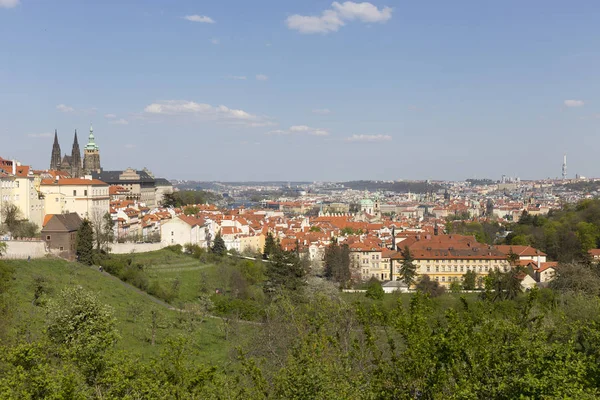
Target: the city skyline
(312, 91)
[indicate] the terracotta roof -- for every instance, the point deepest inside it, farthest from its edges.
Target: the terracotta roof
(73, 182)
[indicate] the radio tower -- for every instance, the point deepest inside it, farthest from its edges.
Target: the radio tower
(564, 167)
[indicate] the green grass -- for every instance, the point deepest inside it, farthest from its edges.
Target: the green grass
(133, 308)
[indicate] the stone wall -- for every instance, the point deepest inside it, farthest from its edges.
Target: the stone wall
(21, 250)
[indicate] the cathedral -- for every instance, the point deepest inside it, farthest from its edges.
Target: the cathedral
(72, 163)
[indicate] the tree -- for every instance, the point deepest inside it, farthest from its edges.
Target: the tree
(12, 217)
(191, 210)
(26, 229)
(285, 271)
(108, 229)
(512, 257)
(218, 246)
(83, 328)
(429, 287)
(337, 262)
(85, 242)
(469, 280)
(2, 248)
(374, 289)
(408, 269)
(269, 245)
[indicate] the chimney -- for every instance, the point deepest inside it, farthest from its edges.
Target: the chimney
(14, 167)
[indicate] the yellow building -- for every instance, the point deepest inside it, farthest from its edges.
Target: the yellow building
(86, 197)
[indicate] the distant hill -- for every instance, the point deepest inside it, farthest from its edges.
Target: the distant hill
(396, 186)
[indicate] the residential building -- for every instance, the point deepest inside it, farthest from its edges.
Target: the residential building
(60, 233)
(85, 196)
(184, 230)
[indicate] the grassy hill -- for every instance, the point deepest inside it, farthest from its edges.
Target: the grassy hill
(133, 308)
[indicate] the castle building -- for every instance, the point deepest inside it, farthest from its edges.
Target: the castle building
(91, 155)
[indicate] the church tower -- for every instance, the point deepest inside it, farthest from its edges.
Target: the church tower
(76, 168)
(91, 155)
(55, 159)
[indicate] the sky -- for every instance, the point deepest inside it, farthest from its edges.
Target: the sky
(306, 90)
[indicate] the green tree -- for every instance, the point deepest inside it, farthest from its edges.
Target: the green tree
(191, 210)
(374, 289)
(429, 287)
(285, 271)
(270, 245)
(82, 328)
(85, 242)
(470, 280)
(512, 257)
(108, 229)
(2, 248)
(218, 246)
(408, 269)
(12, 217)
(337, 262)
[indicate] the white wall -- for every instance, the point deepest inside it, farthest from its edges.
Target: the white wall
(126, 248)
(21, 250)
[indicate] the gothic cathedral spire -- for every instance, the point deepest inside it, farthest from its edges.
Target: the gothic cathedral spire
(76, 166)
(55, 159)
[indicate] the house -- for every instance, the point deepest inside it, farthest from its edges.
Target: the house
(85, 196)
(446, 258)
(524, 252)
(184, 230)
(60, 233)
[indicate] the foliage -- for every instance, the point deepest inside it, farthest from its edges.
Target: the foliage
(565, 235)
(85, 243)
(3, 248)
(429, 287)
(218, 246)
(577, 278)
(408, 268)
(374, 289)
(190, 197)
(285, 272)
(191, 210)
(270, 245)
(83, 329)
(337, 263)
(469, 280)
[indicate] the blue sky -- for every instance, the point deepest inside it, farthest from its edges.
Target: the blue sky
(306, 89)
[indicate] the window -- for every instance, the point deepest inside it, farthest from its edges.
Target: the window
(74, 192)
(61, 248)
(85, 192)
(456, 268)
(48, 237)
(443, 279)
(437, 268)
(56, 199)
(428, 268)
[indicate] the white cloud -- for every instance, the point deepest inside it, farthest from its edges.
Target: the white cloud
(224, 113)
(333, 19)
(64, 108)
(261, 77)
(110, 116)
(300, 129)
(574, 103)
(40, 135)
(9, 3)
(199, 18)
(369, 138)
(321, 111)
(215, 41)
(237, 77)
(365, 12)
(120, 121)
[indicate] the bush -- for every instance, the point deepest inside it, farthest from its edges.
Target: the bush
(432, 288)
(176, 248)
(374, 290)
